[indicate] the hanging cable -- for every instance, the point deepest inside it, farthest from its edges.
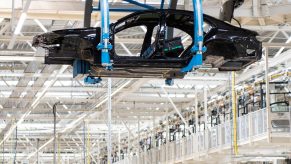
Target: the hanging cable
(237, 22)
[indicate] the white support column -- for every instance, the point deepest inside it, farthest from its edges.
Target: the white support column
(167, 132)
(205, 106)
(109, 147)
(250, 128)
(234, 112)
(138, 129)
(205, 119)
(196, 111)
(55, 133)
(267, 94)
(119, 144)
(153, 131)
(138, 132)
(37, 154)
(98, 153)
(84, 142)
(128, 146)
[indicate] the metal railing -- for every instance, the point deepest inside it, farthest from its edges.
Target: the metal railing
(249, 127)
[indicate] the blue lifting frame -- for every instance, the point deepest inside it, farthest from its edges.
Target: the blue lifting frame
(105, 46)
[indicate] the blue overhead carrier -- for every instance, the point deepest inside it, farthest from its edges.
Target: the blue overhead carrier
(105, 46)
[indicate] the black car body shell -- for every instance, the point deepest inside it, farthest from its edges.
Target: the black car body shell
(228, 47)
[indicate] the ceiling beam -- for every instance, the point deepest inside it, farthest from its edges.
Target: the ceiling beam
(19, 25)
(32, 107)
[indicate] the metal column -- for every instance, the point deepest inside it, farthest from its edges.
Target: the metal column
(138, 130)
(168, 132)
(153, 132)
(234, 113)
(98, 152)
(119, 145)
(37, 155)
(15, 148)
(109, 121)
(129, 145)
(87, 13)
(205, 108)
(84, 143)
(196, 111)
(205, 119)
(55, 139)
(267, 93)
(3, 149)
(170, 30)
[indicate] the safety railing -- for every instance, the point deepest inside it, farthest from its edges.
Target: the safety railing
(214, 139)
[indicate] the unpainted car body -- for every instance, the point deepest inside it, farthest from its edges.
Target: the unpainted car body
(229, 48)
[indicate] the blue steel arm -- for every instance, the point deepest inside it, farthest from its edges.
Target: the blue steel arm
(198, 48)
(104, 44)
